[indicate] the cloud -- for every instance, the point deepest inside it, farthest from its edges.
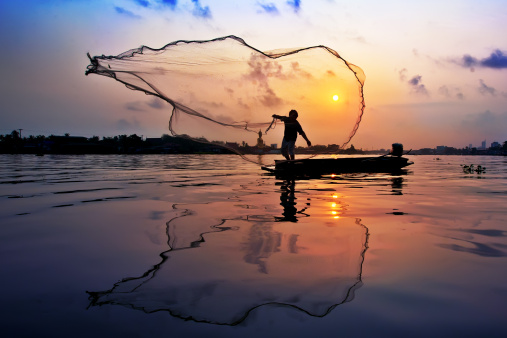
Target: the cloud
(170, 3)
(444, 91)
(156, 103)
(451, 92)
(270, 99)
(469, 61)
(124, 125)
(298, 71)
(415, 83)
(403, 74)
(269, 8)
(134, 106)
(261, 69)
(142, 3)
(496, 60)
(484, 89)
(417, 86)
(123, 11)
(295, 4)
(201, 12)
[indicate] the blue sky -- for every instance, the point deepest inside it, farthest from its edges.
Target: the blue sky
(435, 70)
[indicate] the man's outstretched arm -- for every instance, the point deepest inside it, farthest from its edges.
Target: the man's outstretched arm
(306, 139)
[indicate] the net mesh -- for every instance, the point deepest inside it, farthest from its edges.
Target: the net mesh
(224, 91)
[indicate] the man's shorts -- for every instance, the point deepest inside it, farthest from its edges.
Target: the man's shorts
(288, 146)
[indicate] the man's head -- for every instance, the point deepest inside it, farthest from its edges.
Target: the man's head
(293, 114)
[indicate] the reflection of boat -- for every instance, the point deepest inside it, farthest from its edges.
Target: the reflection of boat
(323, 166)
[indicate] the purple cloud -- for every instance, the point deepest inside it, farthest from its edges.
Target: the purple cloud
(417, 86)
(451, 92)
(415, 82)
(485, 89)
(497, 60)
(156, 103)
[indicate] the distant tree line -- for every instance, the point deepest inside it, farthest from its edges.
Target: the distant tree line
(13, 143)
(122, 144)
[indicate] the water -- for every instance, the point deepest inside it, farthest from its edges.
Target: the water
(158, 245)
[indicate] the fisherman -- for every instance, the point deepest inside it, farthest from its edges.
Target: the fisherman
(292, 128)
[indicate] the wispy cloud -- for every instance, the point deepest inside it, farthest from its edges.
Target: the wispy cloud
(199, 11)
(170, 3)
(123, 11)
(496, 60)
(295, 4)
(269, 8)
(484, 89)
(142, 3)
(261, 69)
(403, 74)
(451, 92)
(415, 83)
(134, 106)
(417, 86)
(155, 103)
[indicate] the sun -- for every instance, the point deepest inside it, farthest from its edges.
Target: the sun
(336, 97)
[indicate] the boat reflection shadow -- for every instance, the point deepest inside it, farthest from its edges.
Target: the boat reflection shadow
(220, 269)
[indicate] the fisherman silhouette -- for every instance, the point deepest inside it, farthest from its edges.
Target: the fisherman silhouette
(292, 129)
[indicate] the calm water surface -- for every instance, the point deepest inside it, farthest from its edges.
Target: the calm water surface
(151, 245)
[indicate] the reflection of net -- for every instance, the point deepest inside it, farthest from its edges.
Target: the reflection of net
(224, 91)
(218, 271)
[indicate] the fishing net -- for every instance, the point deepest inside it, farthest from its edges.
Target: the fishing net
(224, 92)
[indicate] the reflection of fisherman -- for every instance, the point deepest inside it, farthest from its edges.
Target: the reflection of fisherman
(288, 202)
(292, 128)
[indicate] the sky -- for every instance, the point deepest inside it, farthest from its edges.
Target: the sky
(436, 71)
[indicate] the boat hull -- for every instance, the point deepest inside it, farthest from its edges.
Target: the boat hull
(326, 166)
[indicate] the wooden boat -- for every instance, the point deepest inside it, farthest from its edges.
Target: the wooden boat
(326, 166)
(388, 163)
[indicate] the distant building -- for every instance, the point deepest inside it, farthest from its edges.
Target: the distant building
(273, 145)
(483, 145)
(495, 145)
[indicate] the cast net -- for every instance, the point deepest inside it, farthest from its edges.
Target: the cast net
(224, 92)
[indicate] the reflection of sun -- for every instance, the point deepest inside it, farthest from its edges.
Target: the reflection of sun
(336, 97)
(335, 213)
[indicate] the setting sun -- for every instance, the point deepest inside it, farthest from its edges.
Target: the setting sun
(335, 97)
